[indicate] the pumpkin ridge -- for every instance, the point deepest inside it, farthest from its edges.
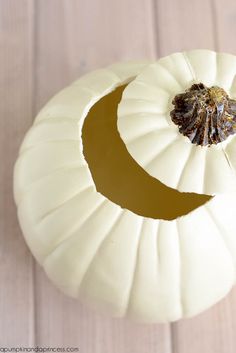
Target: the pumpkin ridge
(228, 160)
(170, 74)
(191, 70)
(40, 143)
(204, 169)
(58, 170)
(134, 272)
(69, 144)
(93, 258)
(181, 272)
(44, 118)
(169, 145)
(54, 120)
(73, 232)
(220, 231)
(158, 252)
(151, 131)
(49, 213)
(162, 155)
(191, 151)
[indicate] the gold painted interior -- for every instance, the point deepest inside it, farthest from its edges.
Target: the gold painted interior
(118, 177)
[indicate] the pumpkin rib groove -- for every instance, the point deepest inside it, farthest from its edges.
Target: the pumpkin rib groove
(49, 113)
(231, 84)
(192, 151)
(170, 74)
(220, 58)
(115, 75)
(30, 185)
(117, 84)
(144, 84)
(178, 171)
(85, 80)
(135, 268)
(186, 58)
(157, 155)
(156, 123)
(145, 134)
(157, 119)
(40, 143)
(133, 99)
(112, 69)
(50, 142)
(182, 60)
(152, 156)
(55, 120)
(143, 115)
(73, 232)
(49, 213)
(181, 272)
(152, 109)
(85, 89)
(123, 72)
(41, 139)
(217, 65)
(227, 159)
(33, 153)
(51, 119)
(158, 247)
(232, 88)
(199, 171)
(29, 150)
(204, 169)
(93, 258)
(221, 231)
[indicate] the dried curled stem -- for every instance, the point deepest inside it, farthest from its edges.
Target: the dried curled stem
(205, 115)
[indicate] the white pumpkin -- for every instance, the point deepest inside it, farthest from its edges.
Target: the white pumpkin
(153, 139)
(146, 269)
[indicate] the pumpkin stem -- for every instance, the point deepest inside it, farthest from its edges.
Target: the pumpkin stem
(205, 115)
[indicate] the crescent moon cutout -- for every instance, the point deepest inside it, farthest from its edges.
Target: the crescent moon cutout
(119, 177)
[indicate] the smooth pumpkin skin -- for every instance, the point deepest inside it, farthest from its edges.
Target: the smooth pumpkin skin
(148, 270)
(144, 119)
